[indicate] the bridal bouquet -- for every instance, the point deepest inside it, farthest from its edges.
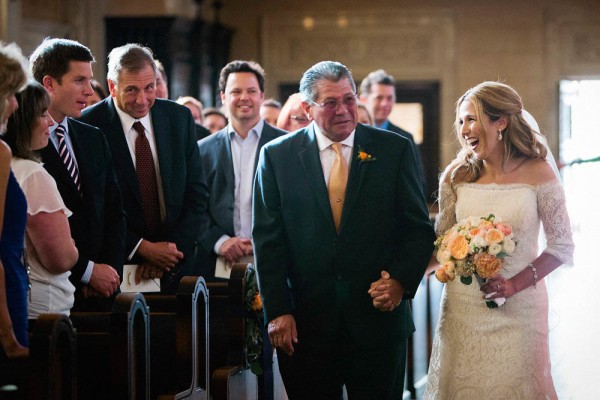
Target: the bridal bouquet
(475, 246)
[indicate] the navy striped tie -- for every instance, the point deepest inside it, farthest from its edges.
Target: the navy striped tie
(66, 157)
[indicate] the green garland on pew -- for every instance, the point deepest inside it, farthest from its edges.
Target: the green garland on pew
(254, 321)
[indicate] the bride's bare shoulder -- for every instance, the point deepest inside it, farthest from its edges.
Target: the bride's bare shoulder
(536, 172)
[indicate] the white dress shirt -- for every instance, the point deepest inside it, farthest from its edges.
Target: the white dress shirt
(328, 155)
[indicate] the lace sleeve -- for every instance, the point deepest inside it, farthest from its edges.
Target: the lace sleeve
(447, 215)
(557, 226)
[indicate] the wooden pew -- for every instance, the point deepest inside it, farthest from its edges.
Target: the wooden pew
(230, 377)
(49, 372)
(112, 351)
(179, 341)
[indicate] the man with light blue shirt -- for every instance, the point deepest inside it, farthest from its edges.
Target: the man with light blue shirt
(79, 159)
(229, 159)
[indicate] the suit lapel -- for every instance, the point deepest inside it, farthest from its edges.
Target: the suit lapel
(362, 140)
(57, 168)
(311, 162)
(223, 152)
(266, 136)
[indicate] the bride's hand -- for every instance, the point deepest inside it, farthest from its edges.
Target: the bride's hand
(499, 286)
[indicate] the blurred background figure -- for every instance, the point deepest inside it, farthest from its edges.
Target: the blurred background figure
(195, 107)
(13, 216)
(270, 110)
(292, 117)
(364, 116)
(50, 251)
(214, 120)
(99, 93)
(162, 86)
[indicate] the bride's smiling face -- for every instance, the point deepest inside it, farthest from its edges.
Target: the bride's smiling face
(480, 135)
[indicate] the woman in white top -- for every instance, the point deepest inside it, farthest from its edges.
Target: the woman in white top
(50, 250)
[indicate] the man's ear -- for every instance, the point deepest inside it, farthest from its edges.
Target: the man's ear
(49, 83)
(307, 108)
(112, 88)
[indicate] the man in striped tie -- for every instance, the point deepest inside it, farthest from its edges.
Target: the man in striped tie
(79, 159)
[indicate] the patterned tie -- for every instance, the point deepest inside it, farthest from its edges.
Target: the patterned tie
(338, 179)
(146, 174)
(65, 156)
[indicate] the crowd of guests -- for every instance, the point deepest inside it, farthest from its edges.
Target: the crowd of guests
(323, 193)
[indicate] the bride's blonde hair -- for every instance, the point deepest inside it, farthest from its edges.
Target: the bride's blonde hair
(495, 100)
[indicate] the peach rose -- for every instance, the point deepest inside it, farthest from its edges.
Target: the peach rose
(257, 303)
(494, 236)
(487, 265)
(459, 247)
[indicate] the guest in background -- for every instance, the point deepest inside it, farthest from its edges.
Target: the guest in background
(51, 252)
(292, 116)
(13, 216)
(378, 92)
(269, 111)
(157, 164)
(364, 116)
(195, 107)
(79, 160)
(162, 83)
(214, 120)
(99, 93)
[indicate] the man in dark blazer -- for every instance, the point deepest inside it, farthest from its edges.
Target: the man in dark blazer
(168, 251)
(90, 191)
(229, 159)
(378, 92)
(336, 296)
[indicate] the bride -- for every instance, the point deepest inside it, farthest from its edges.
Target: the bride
(501, 169)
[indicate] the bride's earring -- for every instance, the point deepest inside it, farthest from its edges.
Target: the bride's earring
(499, 135)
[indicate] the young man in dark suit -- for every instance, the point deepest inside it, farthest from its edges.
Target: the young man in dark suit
(157, 165)
(378, 92)
(341, 237)
(83, 172)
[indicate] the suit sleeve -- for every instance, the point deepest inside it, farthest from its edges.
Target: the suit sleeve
(184, 233)
(415, 233)
(113, 244)
(270, 243)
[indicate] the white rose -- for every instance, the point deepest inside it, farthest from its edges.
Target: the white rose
(474, 221)
(443, 256)
(478, 241)
(508, 245)
(494, 249)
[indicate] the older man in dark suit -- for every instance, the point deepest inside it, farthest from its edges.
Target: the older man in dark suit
(79, 159)
(342, 237)
(157, 164)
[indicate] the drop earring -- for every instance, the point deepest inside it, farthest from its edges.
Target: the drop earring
(499, 135)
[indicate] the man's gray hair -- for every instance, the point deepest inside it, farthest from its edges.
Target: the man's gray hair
(130, 57)
(329, 70)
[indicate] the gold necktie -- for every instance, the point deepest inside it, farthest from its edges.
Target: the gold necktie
(338, 179)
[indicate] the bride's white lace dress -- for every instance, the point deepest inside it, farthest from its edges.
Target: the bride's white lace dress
(481, 353)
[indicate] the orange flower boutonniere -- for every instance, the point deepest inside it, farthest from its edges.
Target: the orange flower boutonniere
(363, 156)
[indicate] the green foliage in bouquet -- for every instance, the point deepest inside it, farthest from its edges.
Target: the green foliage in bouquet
(254, 321)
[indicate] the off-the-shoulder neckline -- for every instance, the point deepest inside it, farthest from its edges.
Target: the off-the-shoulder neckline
(554, 182)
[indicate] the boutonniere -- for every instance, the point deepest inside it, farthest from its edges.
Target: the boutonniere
(363, 156)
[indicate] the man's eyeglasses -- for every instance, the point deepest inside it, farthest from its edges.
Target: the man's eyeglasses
(348, 101)
(301, 119)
